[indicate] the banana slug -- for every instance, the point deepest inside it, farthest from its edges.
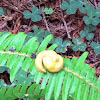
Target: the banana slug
(50, 59)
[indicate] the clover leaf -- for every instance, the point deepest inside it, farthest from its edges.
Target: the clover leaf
(46, 34)
(35, 15)
(39, 33)
(4, 68)
(22, 78)
(82, 9)
(79, 3)
(62, 45)
(78, 45)
(1, 11)
(88, 36)
(95, 21)
(90, 11)
(86, 33)
(97, 13)
(27, 14)
(2, 83)
(29, 36)
(77, 41)
(71, 6)
(91, 17)
(89, 28)
(87, 20)
(96, 47)
(48, 11)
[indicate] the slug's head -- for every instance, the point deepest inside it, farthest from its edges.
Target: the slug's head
(53, 55)
(48, 63)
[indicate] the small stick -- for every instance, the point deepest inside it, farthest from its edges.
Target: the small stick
(95, 4)
(65, 24)
(45, 19)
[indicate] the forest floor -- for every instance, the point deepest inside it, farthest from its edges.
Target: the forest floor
(15, 22)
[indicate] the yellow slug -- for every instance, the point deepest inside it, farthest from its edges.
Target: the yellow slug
(50, 59)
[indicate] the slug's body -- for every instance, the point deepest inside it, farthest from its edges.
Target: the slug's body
(50, 59)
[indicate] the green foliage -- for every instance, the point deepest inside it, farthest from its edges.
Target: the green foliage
(4, 68)
(76, 80)
(97, 13)
(22, 77)
(2, 83)
(70, 7)
(34, 91)
(39, 33)
(62, 45)
(96, 47)
(92, 16)
(2, 12)
(35, 15)
(15, 62)
(48, 11)
(92, 19)
(19, 91)
(86, 33)
(79, 45)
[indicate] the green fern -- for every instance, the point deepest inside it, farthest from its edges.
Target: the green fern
(76, 79)
(22, 54)
(33, 92)
(19, 91)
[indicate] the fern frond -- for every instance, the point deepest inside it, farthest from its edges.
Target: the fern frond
(34, 91)
(21, 58)
(76, 79)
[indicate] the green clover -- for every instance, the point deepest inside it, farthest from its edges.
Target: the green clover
(83, 7)
(22, 78)
(39, 33)
(86, 33)
(48, 11)
(71, 6)
(91, 17)
(35, 15)
(96, 47)
(79, 45)
(95, 21)
(97, 13)
(62, 45)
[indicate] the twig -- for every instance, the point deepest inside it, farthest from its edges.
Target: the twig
(65, 24)
(14, 53)
(82, 78)
(45, 19)
(95, 4)
(97, 63)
